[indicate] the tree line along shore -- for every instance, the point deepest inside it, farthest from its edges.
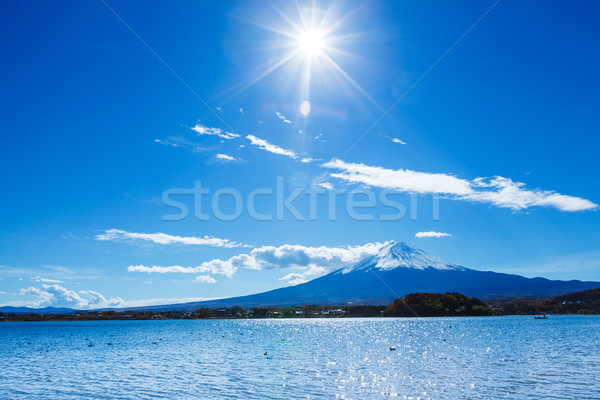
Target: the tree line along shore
(411, 305)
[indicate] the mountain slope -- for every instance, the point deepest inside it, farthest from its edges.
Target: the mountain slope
(398, 269)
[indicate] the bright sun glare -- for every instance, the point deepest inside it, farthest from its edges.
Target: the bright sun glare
(311, 41)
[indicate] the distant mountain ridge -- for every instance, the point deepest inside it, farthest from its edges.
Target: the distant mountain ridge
(395, 271)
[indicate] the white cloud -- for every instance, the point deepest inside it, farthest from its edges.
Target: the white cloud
(499, 191)
(263, 144)
(163, 238)
(271, 257)
(224, 157)
(205, 279)
(1, 292)
(325, 185)
(282, 117)
(431, 234)
(227, 268)
(161, 270)
(58, 296)
(393, 139)
(296, 278)
(205, 130)
(511, 194)
(308, 160)
(40, 279)
(241, 110)
(403, 180)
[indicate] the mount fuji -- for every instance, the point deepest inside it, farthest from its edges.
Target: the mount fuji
(397, 270)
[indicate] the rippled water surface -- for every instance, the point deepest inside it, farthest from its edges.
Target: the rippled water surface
(434, 358)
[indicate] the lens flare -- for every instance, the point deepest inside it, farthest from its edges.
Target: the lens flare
(305, 108)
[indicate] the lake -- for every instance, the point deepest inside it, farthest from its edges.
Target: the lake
(434, 358)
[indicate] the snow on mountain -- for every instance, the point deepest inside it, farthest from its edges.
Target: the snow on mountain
(399, 255)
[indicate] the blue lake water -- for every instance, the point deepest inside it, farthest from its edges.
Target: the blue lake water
(435, 358)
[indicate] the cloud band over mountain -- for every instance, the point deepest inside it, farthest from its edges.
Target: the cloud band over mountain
(308, 261)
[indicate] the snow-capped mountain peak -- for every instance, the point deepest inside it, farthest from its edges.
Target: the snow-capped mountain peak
(400, 255)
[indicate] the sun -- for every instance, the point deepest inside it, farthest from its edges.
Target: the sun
(311, 41)
(309, 45)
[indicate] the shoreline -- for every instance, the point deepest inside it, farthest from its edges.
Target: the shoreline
(288, 318)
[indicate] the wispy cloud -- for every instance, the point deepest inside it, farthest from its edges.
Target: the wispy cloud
(163, 238)
(263, 144)
(212, 267)
(307, 260)
(282, 117)
(296, 278)
(59, 296)
(161, 301)
(184, 142)
(167, 143)
(40, 279)
(162, 270)
(325, 185)
(205, 279)
(56, 271)
(241, 110)
(393, 139)
(432, 234)
(224, 157)
(498, 191)
(205, 130)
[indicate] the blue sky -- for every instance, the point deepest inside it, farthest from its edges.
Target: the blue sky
(104, 111)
